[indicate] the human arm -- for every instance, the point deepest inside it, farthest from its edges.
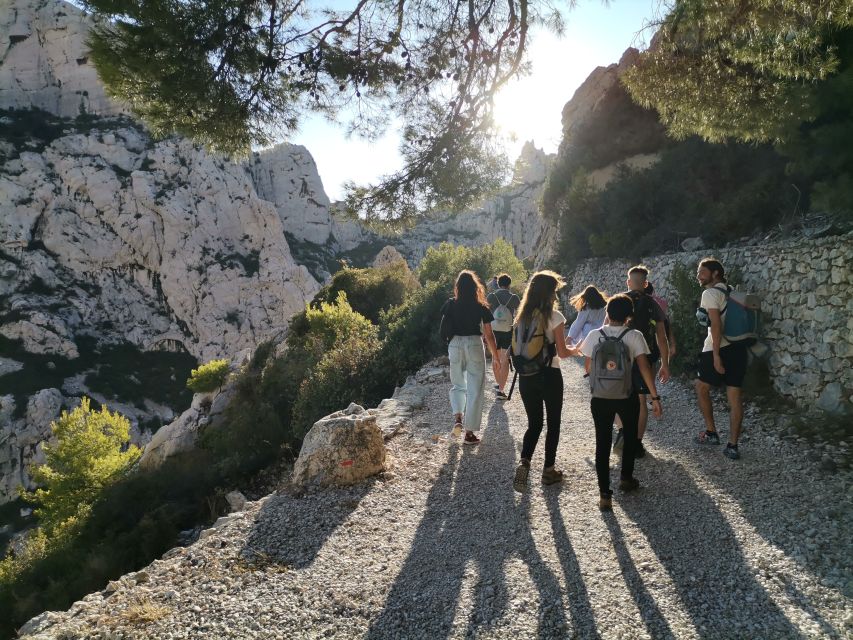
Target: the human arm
(587, 364)
(576, 327)
(670, 338)
(490, 340)
(663, 347)
(716, 319)
(559, 335)
(649, 379)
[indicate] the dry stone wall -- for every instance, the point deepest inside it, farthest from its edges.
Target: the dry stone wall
(807, 309)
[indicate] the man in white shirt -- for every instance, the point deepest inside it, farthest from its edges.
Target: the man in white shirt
(721, 362)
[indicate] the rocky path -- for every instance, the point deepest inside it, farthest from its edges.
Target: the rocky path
(440, 546)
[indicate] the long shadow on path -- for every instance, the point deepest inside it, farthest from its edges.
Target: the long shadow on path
(472, 521)
(699, 550)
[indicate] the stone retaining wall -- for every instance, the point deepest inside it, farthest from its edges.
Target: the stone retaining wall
(807, 310)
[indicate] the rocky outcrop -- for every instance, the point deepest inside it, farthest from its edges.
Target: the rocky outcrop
(44, 61)
(602, 125)
(286, 175)
(806, 288)
(341, 449)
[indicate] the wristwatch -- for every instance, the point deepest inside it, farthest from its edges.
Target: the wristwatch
(655, 398)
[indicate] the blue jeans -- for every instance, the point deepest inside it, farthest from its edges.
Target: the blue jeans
(468, 379)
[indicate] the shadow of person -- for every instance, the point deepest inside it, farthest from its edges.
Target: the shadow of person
(651, 614)
(471, 531)
(583, 618)
(699, 550)
(291, 530)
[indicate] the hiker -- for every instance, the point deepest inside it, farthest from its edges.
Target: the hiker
(492, 285)
(590, 307)
(470, 320)
(612, 353)
(538, 343)
(504, 305)
(667, 321)
(721, 362)
(648, 318)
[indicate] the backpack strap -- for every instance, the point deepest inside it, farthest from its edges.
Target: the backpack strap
(505, 302)
(623, 334)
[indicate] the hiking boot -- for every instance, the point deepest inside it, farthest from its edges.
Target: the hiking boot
(709, 437)
(640, 450)
(519, 481)
(500, 395)
(605, 500)
(552, 475)
(470, 438)
(619, 442)
(731, 452)
(629, 484)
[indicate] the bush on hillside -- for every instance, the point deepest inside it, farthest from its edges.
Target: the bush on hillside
(208, 377)
(443, 263)
(682, 315)
(719, 192)
(338, 379)
(372, 290)
(259, 423)
(135, 520)
(89, 455)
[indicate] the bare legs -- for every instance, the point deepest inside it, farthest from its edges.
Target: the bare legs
(735, 398)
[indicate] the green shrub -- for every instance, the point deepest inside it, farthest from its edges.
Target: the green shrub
(337, 379)
(444, 262)
(208, 377)
(88, 456)
(372, 290)
(682, 314)
(134, 520)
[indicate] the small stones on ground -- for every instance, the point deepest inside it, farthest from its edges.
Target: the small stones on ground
(442, 546)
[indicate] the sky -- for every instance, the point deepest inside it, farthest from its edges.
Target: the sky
(597, 33)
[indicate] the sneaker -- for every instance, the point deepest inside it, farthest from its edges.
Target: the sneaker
(470, 438)
(500, 395)
(519, 481)
(552, 475)
(709, 437)
(605, 500)
(640, 451)
(731, 452)
(629, 484)
(619, 442)
(497, 387)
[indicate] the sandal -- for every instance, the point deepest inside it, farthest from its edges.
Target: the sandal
(519, 481)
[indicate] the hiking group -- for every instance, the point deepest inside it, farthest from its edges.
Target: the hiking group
(626, 342)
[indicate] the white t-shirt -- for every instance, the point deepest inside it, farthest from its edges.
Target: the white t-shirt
(714, 298)
(557, 319)
(634, 340)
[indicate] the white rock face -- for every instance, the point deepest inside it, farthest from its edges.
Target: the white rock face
(340, 449)
(44, 61)
(286, 175)
(387, 256)
(513, 215)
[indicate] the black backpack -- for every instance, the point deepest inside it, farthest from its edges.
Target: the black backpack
(446, 329)
(644, 322)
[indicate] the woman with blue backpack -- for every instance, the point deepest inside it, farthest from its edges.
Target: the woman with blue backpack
(538, 343)
(465, 319)
(610, 355)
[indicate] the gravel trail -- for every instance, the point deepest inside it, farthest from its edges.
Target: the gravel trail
(440, 546)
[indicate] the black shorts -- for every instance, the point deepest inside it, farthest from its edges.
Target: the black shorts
(504, 339)
(734, 357)
(639, 385)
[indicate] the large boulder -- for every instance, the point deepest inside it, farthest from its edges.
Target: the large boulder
(341, 449)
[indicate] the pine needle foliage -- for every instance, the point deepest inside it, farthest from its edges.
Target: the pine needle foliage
(231, 74)
(91, 452)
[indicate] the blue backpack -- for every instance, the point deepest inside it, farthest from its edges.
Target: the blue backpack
(741, 311)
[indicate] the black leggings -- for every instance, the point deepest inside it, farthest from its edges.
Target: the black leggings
(603, 413)
(538, 390)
